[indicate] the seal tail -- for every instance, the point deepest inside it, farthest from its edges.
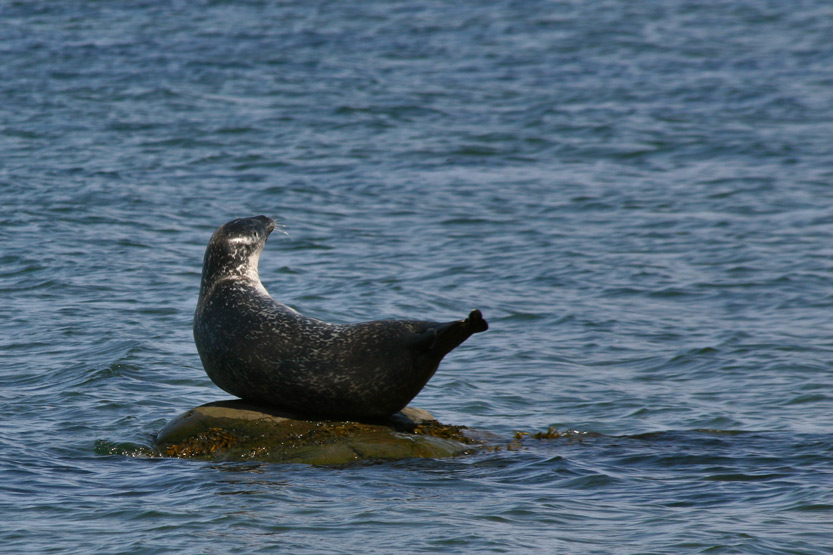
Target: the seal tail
(440, 340)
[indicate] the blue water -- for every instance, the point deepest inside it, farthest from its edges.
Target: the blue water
(637, 195)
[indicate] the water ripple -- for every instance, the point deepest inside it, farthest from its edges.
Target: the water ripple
(635, 194)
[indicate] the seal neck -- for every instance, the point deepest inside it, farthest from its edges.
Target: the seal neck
(221, 262)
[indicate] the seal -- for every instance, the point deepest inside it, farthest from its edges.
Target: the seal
(266, 352)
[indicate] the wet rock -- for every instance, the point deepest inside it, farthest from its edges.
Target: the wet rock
(237, 430)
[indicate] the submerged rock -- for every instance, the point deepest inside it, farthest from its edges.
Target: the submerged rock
(237, 430)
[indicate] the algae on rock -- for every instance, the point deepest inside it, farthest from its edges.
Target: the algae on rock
(237, 430)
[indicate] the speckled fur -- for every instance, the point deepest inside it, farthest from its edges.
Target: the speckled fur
(263, 351)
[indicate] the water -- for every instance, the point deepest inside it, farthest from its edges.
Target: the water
(638, 196)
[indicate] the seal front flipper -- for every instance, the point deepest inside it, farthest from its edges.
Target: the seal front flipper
(439, 340)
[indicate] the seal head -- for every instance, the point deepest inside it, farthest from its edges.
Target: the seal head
(234, 251)
(265, 352)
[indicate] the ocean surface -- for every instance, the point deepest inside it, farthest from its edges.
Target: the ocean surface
(637, 195)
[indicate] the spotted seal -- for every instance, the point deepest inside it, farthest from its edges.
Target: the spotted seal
(266, 352)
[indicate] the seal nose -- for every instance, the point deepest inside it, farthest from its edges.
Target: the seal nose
(268, 222)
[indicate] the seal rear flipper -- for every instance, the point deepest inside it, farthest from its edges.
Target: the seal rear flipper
(440, 339)
(476, 321)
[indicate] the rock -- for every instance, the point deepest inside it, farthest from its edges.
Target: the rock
(237, 430)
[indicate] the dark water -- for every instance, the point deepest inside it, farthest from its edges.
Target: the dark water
(638, 196)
